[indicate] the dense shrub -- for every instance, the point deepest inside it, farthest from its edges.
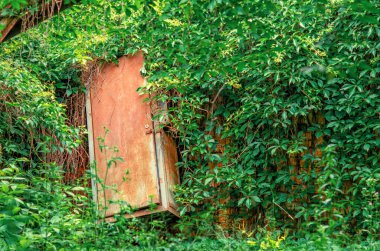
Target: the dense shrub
(292, 87)
(274, 106)
(32, 125)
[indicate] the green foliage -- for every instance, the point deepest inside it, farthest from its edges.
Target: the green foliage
(32, 125)
(32, 121)
(18, 8)
(290, 87)
(264, 76)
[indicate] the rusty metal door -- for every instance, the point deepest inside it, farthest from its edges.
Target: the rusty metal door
(117, 107)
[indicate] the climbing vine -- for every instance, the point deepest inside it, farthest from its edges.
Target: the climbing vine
(274, 104)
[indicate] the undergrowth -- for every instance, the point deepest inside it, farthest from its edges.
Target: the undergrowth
(274, 106)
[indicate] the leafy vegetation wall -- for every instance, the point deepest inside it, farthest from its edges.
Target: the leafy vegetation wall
(274, 104)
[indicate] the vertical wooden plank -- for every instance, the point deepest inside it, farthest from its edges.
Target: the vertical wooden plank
(9, 24)
(171, 170)
(167, 159)
(161, 169)
(168, 173)
(91, 146)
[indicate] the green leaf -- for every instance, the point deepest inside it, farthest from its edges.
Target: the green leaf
(257, 199)
(366, 147)
(248, 203)
(208, 180)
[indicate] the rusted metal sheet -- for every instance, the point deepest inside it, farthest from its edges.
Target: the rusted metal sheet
(116, 106)
(150, 156)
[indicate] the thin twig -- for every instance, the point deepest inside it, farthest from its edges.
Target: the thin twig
(216, 97)
(218, 93)
(291, 217)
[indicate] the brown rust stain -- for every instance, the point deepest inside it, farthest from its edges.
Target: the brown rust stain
(118, 107)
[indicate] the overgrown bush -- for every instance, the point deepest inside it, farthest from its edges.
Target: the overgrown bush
(274, 106)
(290, 88)
(32, 125)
